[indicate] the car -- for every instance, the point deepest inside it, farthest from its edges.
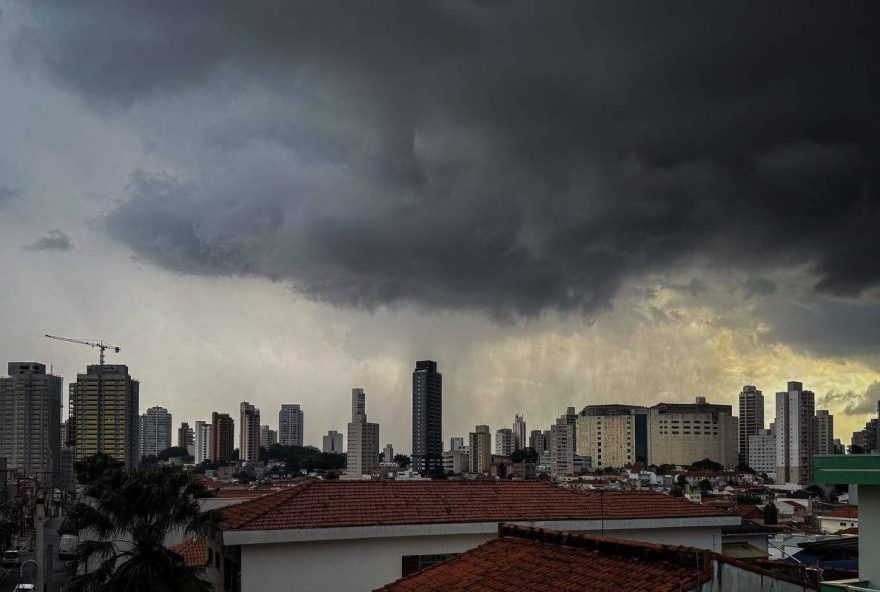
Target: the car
(11, 558)
(24, 588)
(67, 546)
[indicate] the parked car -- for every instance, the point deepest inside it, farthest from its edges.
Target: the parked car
(24, 588)
(67, 546)
(11, 558)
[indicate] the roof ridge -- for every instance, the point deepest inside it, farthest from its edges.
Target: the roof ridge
(259, 504)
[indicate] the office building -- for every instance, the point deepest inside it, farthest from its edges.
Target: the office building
(222, 437)
(427, 418)
(519, 433)
(104, 414)
(202, 442)
(363, 438)
(249, 433)
(504, 442)
(751, 418)
(155, 431)
(30, 421)
(795, 434)
(268, 436)
(762, 452)
(613, 435)
(480, 448)
(824, 432)
(332, 442)
(562, 439)
(456, 443)
(290, 425)
(684, 433)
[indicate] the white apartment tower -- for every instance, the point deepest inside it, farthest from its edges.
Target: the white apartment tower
(332, 442)
(456, 443)
(202, 436)
(795, 434)
(519, 433)
(155, 431)
(504, 442)
(363, 438)
(290, 425)
(751, 418)
(762, 452)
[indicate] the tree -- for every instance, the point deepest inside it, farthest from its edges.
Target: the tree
(402, 460)
(122, 529)
(771, 515)
(93, 468)
(665, 469)
(524, 455)
(175, 452)
(748, 500)
(856, 449)
(676, 491)
(681, 481)
(705, 486)
(707, 464)
(745, 468)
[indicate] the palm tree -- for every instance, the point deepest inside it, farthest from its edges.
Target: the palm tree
(122, 525)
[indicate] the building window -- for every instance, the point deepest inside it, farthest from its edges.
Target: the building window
(413, 563)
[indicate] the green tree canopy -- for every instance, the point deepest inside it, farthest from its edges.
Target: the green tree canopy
(771, 514)
(527, 455)
(707, 464)
(402, 460)
(175, 452)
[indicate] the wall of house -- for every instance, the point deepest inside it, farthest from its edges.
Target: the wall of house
(731, 578)
(869, 526)
(832, 525)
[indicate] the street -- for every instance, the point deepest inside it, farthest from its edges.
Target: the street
(55, 579)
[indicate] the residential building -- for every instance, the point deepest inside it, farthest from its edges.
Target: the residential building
(202, 439)
(222, 437)
(291, 425)
(249, 433)
(824, 432)
(332, 442)
(64, 438)
(456, 443)
(427, 418)
(363, 438)
(30, 421)
(762, 452)
(537, 441)
(388, 456)
(751, 418)
(519, 433)
(456, 461)
(613, 435)
(67, 482)
(795, 434)
(833, 520)
(268, 436)
(480, 446)
(186, 438)
(504, 442)
(155, 431)
(104, 414)
(562, 439)
(570, 417)
(683, 433)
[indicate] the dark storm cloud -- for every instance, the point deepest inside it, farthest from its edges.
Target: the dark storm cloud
(853, 403)
(500, 156)
(55, 240)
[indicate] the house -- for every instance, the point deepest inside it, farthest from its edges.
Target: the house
(838, 519)
(194, 552)
(356, 535)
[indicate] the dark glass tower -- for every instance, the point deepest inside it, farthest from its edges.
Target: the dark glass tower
(427, 423)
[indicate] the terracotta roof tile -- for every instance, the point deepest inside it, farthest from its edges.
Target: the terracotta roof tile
(851, 512)
(194, 552)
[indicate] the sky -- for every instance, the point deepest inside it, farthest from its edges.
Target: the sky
(562, 204)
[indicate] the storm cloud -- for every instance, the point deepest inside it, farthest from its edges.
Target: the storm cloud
(55, 240)
(503, 157)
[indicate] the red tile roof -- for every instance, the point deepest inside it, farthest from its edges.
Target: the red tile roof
(327, 504)
(751, 511)
(535, 559)
(851, 512)
(194, 552)
(850, 530)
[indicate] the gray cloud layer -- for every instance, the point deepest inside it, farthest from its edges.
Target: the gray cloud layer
(55, 240)
(487, 155)
(853, 403)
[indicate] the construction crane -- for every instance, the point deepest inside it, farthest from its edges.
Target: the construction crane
(99, 344)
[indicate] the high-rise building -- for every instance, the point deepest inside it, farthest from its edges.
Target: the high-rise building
(363, 438)
(290, 425)
(519, 432)
(155, 431)
(456, 443)
(104, 414)
(537, 441)
(762, 452)
(795, 434)
(684, 433)
(222, 437)
(30, 421)
(64, 438)
(249, 433)
(562, 439)
(268, 436)
(480, 444)
(202, 440)
(824, 432)
(186, 438)
(613, 435)
(332, 442)
(427, 418)
(504, 442)
(456, 461)
(751, 418)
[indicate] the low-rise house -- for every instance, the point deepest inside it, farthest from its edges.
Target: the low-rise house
(837, 519)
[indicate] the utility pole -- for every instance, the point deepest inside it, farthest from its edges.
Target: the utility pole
(40, 551)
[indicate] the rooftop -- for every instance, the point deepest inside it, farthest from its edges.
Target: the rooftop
(194, 551)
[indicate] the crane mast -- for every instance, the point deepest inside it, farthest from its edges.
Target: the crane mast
(102, 347)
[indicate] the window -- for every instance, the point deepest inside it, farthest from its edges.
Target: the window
(413, 563)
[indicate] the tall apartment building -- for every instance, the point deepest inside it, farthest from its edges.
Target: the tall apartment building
(456, 443)
(249, 433)
(537, 441)
(795, 434)
(268, 436)
(562, 438)
(332, 442)
(824, 432)
(363, 438)
(683, 433)
(613, 435)
(202, 442)
(104, 414)
(30, 421)
(519, 433)
(570, 417)
(751, 418)
(222, 437)
(504, 442)
(480, 445)
(186, 438)
(155, 431)
(427, 418)
(290, 425)
(762, 452)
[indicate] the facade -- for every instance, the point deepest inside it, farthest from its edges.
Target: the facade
(537, 441)
(762, 452)
(155, 431)
(104, 414)
(795, 434)
(613, 435)
(751, 418)
(186, 438)
(291, 425)
(363, 438)
(456, 461)
(824, 432)
(249, 433)
(456, 443)
(683, 433)
(202, 440)
(268, 436)
(519, 433)
(504, 442)
(480, 450)
(67, 482)
(30, 421)
(427, 418)
(222, 437)
(562, 437)
(332, 442)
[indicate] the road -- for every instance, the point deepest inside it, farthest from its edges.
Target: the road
(56, 578)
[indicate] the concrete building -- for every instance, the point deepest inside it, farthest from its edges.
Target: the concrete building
(202, 440)
(186, 438)
(456, 443)
(363, 438)
(332, 442)
(824, 432)
(480, 446)
(155, 431)
(751, 418)
(456, 461)
(795, 434)
(67, 482)
(613, 435)
(519, 433)
(427, 418)
(562, 445)
(683, 433)
(30, 421)
(268, 436)
(388, 456)
(291, 426)
(762, 452)
(249, 433)
(222, 437)
(537, 441)
(104, 414)
(504, 442)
